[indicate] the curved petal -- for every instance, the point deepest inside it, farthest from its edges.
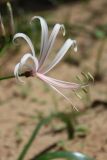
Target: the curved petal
(44, 35)
(22, 63)
(68, 43)
(54, 85)
(27, 39)
(59, 83)
(51, 41)
(53, 35)
(26, 57)
(16, 72)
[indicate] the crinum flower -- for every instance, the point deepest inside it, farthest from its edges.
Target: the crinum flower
(38, 69)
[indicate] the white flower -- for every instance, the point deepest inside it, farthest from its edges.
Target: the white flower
(37, 68)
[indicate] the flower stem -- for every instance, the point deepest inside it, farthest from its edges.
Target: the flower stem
(25, 74)
(7, 77)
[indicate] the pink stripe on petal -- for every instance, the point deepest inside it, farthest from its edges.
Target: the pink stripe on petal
(58, 83)
(57, 90)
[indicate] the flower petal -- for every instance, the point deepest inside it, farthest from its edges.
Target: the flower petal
(16, 72)
(53, 35)
(19, 66)
(50, 42)
(27, 39)
(68, 43)
(26, 57)
(44, 36)
(59, 83)
(54, 85)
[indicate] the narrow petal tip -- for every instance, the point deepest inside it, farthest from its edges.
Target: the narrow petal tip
(75, 46)
(63, 28)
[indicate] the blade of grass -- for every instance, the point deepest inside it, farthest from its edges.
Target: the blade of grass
(33, 136)
(43, 122)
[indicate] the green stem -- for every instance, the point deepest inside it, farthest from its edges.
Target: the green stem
(26, 74)
(7, 77)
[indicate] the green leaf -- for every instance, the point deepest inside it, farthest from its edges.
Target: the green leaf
(63, 154)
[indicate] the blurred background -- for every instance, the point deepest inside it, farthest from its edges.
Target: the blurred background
(22, 106)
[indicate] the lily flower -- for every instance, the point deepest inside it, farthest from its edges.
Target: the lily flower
(38, 69)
